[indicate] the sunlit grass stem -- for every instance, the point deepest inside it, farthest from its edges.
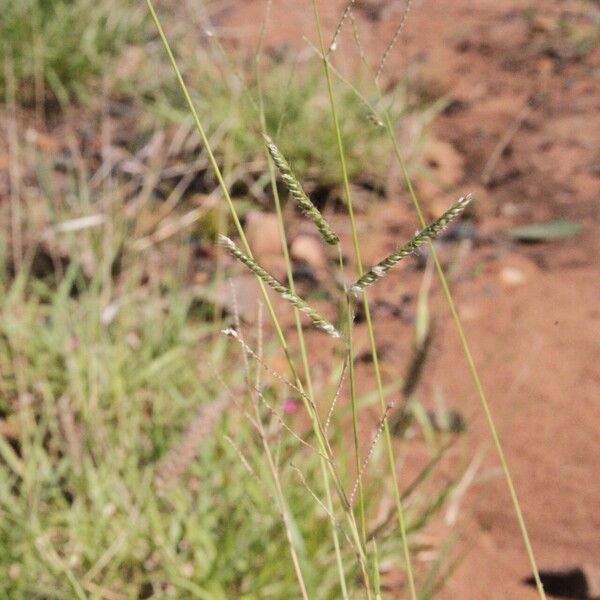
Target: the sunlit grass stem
(323, 444)
(471, 363)
(397, 497)
(297, 321)
(449, 298)
(353, 402)
(236, 220)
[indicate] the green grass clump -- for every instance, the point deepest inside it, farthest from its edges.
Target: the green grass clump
(95, 407)
(54, 46)
(295, 113)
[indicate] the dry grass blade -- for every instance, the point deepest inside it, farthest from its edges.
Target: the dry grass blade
(336, 396)
(299, 195)
(431, 231)
(249, 352)
(356, 34)
(287, 294)
(312, 493)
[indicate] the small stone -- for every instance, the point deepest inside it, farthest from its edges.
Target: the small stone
(262, 232)
(511, 276)
(310, 250)
(264, 238)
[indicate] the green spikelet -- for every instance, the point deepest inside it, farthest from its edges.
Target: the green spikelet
(318, 320)
(431, 231)
(299, 195)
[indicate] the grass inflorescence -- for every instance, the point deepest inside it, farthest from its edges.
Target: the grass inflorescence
(424, 236)
(285, 292)
(299, 195)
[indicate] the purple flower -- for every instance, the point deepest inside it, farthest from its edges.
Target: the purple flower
(291, 406)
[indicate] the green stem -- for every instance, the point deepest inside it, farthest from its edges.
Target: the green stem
(298, 323)
(471, 363)
(397, 497)
(353, 403)
(238, 225)
(220, 180)
(324, 446)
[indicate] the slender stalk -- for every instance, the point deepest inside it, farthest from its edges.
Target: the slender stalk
(353, 403)
(351, 372)
(390, 452)
(324, 446)
(456, 318)
(217, 171)
(283, 509)
(275, 474)
(306, 368)
(16, 220)
(471, 363)
(394, 39)
(238, 225)
(298, 323)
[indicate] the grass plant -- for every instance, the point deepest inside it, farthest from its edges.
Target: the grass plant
(137, 458)
(55, 47)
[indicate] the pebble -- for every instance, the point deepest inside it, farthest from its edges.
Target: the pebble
(311, 250)
(512, 277)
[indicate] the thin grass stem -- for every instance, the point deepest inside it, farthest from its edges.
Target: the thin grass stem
(282, 505)
(394, 39)
(323, 443)
(347, 12)
(354, 409)
(456, 318)
(219, 176)
(297, 321)
(238, 225)
(471, 363)
(358, 259)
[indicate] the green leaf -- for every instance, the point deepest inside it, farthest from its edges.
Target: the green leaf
(543, 232)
